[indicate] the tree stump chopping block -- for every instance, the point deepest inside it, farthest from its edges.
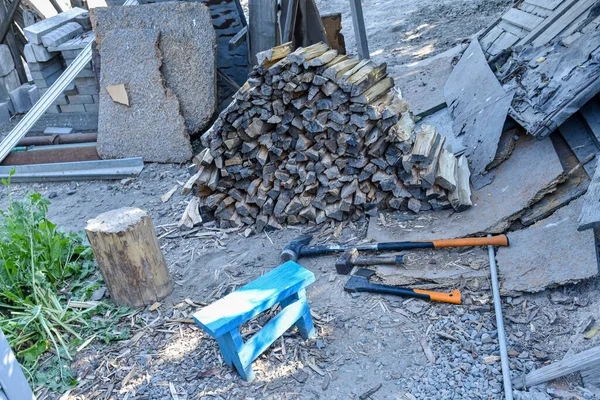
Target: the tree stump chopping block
(129, 257)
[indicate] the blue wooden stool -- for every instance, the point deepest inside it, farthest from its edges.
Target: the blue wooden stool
(285, 285)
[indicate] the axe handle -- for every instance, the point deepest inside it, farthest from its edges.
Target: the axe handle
(453, 297)
(500, 240)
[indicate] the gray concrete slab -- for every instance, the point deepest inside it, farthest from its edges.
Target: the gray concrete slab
(61, 35)
(152, 126)
(519, 182)
(549, 253)
(188, 46)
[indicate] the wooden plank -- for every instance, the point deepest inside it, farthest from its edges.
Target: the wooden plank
(547, 4)
(579, 138)
(263, 26)
(515, 30)
(504, 41)
(487, 40)
(538, 11)
(7, 21)
(563, 20)
(315, 30)
(273, 330)
(522, 19)
(359, 29)
(578, 362)
(252, 299)
(590, 212)
(591, 114)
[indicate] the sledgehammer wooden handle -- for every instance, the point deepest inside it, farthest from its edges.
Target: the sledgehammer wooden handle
(500, 240)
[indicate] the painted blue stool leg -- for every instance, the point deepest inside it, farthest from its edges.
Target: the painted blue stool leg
(224, 352)
(232, 344)
(304, 324)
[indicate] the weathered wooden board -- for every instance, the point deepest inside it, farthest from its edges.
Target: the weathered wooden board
(551, 82)
(590, 212)
(504, 41)
(577, 134)
(520, 181)
(563, 21)
(547, 4)
(478, 106)
(591, 114)
(549, 253)
(522, 19)
(559, 10)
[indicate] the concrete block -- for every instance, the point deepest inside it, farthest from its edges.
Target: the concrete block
(96, 98)
(152, 127)
(72, 108)
(37, 53)
(9, 83)
(20, 99)
(87, 89)
(51, 65)
(81, 99)
(4, 114)
(55, 130)
(62, 34)
(85, 81)
(46, 72)
(6, 61)
(91, 108)
(53, 109)
(70, 53)
(86, 73)
(34, 32)
(188, 46)
(72, 92)
(34, 94)
(75, 45)
(61, 100)
(48, 81)
(11, 107)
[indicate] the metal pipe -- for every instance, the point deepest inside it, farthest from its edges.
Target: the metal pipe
(500, 326)
(58, 139)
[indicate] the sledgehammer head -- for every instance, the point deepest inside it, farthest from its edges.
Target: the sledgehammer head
(345, 263)
(291, 251)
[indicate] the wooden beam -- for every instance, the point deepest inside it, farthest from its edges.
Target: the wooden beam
(238, 39)
(290, 19)
(262, 27)
(359, 29)
(7, 20)
(578, 362)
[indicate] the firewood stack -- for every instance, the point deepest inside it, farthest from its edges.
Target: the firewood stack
(312, 136)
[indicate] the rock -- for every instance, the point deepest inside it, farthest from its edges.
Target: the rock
(152, 127)
(52, 195)
(486, 338)
(188, 46)
(550, 252)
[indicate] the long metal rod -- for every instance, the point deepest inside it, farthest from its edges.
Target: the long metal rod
(500, 326)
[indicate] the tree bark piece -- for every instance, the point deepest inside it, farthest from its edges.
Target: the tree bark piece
(129, 257)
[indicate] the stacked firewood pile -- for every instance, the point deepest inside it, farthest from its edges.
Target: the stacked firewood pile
(313, 135)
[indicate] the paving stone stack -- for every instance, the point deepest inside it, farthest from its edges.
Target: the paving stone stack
(54, 43)
(315, 136)
(13, 96)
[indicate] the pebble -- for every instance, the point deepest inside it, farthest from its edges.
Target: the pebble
(52, 195)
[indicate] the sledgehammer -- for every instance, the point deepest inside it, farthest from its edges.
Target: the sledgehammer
(299, 247)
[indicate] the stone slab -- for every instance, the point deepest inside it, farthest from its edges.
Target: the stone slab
(478, 105)
(152, 126)
(61, 35)
(549, 253)
(56, 130)
(188, 46)
(520, 181)
(34, 32)
(34, 94)
(422, 83)
(4, 114)
(7, 63)
(37, 53)
(20, 99)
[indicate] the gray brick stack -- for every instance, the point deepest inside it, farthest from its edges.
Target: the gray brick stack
(54, 44)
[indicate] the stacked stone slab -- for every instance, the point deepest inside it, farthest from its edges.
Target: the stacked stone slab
(9, 84)
(53, 45)
(314, 136)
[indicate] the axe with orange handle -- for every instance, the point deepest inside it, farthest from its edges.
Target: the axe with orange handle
(299, 247)
(359, 282)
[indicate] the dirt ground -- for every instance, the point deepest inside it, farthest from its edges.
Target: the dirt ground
(364, 343)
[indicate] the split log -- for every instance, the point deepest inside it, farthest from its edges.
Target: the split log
(129, 257)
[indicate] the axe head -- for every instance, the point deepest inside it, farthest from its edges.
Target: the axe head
(291, 251)
(358, 281)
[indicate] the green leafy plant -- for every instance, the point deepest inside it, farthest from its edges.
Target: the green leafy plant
(42, 269)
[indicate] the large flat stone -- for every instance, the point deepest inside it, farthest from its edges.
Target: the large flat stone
(152, 126)
(549, 253)
(188, 46)
(34, 32)
(532, 170)
(478, 105)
